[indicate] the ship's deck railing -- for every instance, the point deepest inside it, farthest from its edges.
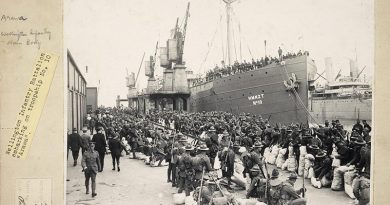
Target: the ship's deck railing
(237, 68)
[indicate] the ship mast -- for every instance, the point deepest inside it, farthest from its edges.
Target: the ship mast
(228, 29)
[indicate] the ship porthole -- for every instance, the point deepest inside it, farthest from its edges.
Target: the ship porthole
(243, 94)
(262, 91)
(251, 74)
(266, 72)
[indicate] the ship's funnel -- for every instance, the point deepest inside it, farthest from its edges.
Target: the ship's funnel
(353, 68)
(329, 69)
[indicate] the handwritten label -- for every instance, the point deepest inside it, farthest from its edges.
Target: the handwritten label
(31, 108)
(32, 37)
(33, 192)
(256, 99)
(5, 18)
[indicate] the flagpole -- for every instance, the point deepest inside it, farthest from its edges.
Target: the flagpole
(265, 48)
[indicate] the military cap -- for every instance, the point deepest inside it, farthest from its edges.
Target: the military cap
(85, 129)
(315, 147)
(91, 142)
(225, 133)
(258, 145)
(74, 129)
(212, 129)
(321, 154)
(203, 147)
(360, 142)
(188, 147)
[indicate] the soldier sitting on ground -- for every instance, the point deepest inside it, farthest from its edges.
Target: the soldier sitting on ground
(288, 195)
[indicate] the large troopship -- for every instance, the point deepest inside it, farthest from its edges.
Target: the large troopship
(278, 89)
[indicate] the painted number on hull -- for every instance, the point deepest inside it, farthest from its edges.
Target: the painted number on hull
(256, 99)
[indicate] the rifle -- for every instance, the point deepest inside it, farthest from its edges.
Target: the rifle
(200, 189)
(220, 189)
(266, 184)
(303, 181)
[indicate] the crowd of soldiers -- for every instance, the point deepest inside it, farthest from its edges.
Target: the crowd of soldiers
(227, 70)
(166, 135)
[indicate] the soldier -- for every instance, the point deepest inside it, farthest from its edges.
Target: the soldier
(169, 155)
(274, 187)
(186, 171)
(100, 146)
(365, 158)
(213, 145)
(257, 188)
(207, 191)
(256, 156)
(322, 166)
(361, 188)
(91, 165)
(85, 139)
(75, 144)
(358, 127)
(201, 161)
(288, 194)
(226, 157)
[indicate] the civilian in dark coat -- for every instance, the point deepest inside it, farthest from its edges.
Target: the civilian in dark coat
(100, 146)
(116, 149)
(75, 144)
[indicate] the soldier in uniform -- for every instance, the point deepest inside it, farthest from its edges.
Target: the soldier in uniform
(91, 165)
(226, 157)
(213, 145)
(288, 194)
(85, 139)
(75, 144)
(201, 161)
(323, 165)
(361, 188)
(257, 188)
(207, 191)
(274, 187)
(186, 171)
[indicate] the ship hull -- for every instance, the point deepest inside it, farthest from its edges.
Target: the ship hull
(261, 92)
(345, 110)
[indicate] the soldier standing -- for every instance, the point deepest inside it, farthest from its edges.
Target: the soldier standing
(85, 139)
(226, 157)
(213, 145)
(91, 165)
(201, 161)
(75, 144)
(186, 172)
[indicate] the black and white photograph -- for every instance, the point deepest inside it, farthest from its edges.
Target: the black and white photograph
(238, 102)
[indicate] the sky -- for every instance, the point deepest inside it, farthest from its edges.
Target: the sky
(110, 37)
